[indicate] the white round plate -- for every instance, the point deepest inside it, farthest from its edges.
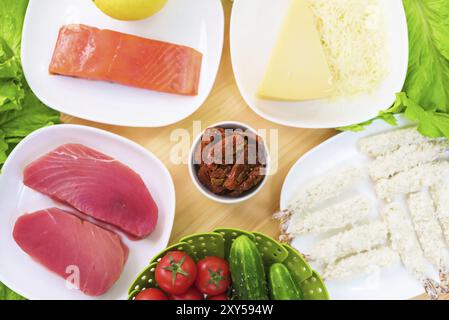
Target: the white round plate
(390, 284)
(195, 23)
(28, 278)
(255, 25)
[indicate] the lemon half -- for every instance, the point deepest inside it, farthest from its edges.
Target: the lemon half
(130, 9)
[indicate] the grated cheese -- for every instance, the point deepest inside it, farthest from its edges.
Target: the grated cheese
(354, 40)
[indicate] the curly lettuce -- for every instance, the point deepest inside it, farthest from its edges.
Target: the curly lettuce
(20, 111)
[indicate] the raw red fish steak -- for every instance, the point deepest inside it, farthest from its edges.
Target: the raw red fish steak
(90, 53)
(96, 185)
(76, 250)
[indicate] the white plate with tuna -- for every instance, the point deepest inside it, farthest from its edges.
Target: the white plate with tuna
(255, 26)
(31, 279)
(394, 281)
(198, 24)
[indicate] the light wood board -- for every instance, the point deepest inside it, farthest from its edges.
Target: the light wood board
(195, 212)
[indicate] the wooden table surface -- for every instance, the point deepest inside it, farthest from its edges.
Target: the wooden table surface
(195, 212)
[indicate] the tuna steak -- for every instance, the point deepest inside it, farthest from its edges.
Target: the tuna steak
(69, 246)
(96, 185)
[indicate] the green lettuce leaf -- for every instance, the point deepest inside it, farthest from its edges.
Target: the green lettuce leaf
(11, 96)
(12, 14)
(388, 117)
(7, 294)
(11, 80)
(20, 111)
(431, 123)
(17, 124)
(428, 72)
(10, 68)
(3, 149)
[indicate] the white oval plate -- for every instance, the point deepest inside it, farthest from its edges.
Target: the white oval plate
(394, 283)
(255, 25)
(195, 23)
(28, 278)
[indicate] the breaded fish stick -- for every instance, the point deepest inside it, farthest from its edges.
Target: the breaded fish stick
(404, 241)
(358, 239)
(429, 233)
(337, 216)
(327, 187)
(361, 264)
(406, 158)
(440, 196)
(411, 181)
(383, 143)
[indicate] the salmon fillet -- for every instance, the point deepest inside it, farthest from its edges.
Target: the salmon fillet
(96, 185)
(90, 257)
(94, 54)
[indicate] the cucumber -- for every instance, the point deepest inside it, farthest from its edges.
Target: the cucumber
(281, 284)
(247, 270)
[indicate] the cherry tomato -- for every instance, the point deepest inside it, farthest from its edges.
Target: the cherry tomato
(151, 294)
(213, 276)
(191, 294)
(176, 272)
(222, 296)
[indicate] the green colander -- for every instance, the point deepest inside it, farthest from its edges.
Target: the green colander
(218, 243)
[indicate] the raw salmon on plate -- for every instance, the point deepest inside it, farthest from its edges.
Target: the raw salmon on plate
(90, 53)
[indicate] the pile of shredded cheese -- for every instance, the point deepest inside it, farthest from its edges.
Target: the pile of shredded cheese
(354, 40)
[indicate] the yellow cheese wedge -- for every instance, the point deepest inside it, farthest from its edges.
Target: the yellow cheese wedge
(298, 69)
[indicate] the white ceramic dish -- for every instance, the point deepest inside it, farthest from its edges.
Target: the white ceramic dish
(202, 188)
(17, 270)
(195, 23)
(393, 283)
(255, 25)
